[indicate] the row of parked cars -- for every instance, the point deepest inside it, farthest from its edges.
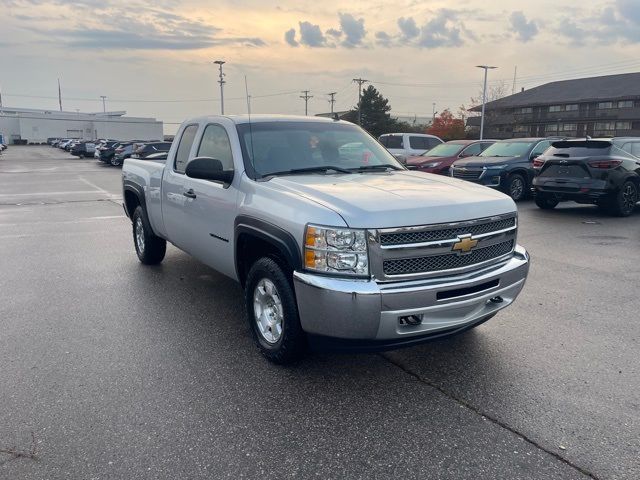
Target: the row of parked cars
(604, 172)
(113, 152)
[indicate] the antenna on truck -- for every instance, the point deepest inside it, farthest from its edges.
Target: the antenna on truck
(246, 89)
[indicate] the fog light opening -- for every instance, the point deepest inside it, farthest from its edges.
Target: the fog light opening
(410, 320)
(497, 299)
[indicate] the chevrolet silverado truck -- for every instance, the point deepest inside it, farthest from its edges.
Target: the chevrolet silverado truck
(336, 244)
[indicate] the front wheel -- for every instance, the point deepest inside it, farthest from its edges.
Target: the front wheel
(516, 187)
(115, 162)
(546, 203)
(149, 247)
(272, 313)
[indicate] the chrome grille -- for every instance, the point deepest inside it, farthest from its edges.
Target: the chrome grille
(450, 261)
(466, 173)
(405, 238)
(434, 250)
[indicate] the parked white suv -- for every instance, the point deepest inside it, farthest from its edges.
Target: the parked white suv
(405, 145)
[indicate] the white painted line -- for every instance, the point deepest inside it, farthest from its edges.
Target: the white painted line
(40, 194)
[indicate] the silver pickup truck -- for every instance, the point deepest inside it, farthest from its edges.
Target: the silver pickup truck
(335, 243)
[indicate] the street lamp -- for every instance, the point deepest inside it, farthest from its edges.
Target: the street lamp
(104, 105)
(486, 68)
(221, 82)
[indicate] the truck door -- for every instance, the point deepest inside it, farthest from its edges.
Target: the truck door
(211, 211)
(174, 201)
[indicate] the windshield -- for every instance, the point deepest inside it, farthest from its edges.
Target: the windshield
(444, 150)
(270, 147)
(507, 149)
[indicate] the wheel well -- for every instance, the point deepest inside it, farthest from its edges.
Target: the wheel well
(250, 248)
(131, 201)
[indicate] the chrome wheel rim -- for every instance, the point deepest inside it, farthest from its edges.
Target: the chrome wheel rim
(267, 309)
(629, 197)
(516, 188)
(140, 235)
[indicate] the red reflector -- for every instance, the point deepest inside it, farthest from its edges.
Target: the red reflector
(605, 163)
(584, 190)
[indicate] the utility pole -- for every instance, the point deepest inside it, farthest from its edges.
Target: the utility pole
(333, 100)
(359, 81)
(306, 98)
(0, 96)
(59, 95)
(433, 116)
(484, 96)
(221, 82)
(104, 105)
(515, 75)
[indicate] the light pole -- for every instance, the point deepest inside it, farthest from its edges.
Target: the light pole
(360, 82)
(433, 117)
(104, 105)
(486, 68)
(221, 82)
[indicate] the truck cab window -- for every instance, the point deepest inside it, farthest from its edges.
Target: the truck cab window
(184, 147)
(215, 144)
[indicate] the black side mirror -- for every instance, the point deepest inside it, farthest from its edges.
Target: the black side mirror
(534, 156)
(207, 168)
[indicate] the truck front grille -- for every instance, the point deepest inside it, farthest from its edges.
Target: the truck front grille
(441, 249)
(467, 173)
(405, 238)
(450, 261)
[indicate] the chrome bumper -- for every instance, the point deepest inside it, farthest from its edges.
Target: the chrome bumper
(367, 310)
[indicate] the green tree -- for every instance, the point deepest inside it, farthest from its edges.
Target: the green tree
(374, 113)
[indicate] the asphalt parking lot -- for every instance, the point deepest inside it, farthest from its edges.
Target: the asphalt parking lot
(111, 369)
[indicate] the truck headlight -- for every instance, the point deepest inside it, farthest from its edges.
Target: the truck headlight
(336, 250)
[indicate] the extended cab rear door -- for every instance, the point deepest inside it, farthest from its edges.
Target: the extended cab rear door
(206, 213)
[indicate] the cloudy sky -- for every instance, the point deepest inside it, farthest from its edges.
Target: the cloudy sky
(153, 58)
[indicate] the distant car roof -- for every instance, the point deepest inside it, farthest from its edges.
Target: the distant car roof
(261, 118)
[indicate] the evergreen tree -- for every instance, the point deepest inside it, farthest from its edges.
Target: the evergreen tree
(374, 113)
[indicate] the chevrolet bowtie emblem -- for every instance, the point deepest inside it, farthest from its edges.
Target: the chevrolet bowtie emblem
(465, 244)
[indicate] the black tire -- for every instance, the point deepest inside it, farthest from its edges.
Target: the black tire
(546, 203)
(624, 202)
(115, 162)
(149, 247)
(287, 342)
(516, 187)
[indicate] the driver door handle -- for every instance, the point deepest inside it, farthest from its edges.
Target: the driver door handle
(189, 193)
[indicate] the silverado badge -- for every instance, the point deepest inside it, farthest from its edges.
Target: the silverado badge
(465, 244)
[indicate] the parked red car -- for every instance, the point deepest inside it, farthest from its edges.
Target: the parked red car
(439, 158)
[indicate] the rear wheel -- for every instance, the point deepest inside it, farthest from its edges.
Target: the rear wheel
(546, 203)
(115, 162)
(624, 202)
(516, 187)
(272, 312)
(149, 247)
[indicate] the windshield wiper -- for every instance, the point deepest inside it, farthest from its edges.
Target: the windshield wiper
(318, 168)
(384, 166)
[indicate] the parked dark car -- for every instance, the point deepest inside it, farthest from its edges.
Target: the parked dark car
(107, 151)
(506, 165)
(439, 158)
(148, 148)
(604, 172)
(83, 149)
(122, 152)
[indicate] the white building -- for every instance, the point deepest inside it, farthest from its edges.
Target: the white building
(36, 126)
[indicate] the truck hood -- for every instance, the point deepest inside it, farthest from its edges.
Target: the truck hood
(398, 198)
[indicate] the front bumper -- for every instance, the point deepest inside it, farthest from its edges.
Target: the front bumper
(368, 312)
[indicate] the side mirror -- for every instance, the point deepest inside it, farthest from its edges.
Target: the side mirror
(207, 168)
(534, 156)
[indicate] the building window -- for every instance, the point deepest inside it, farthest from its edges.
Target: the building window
(569, 127)
(625, 104)
(602, 126)
(524, 110)
(623, 125)
(521, 129)
(552, 127)
(571, 108)
(556, 108)
(605, 105)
